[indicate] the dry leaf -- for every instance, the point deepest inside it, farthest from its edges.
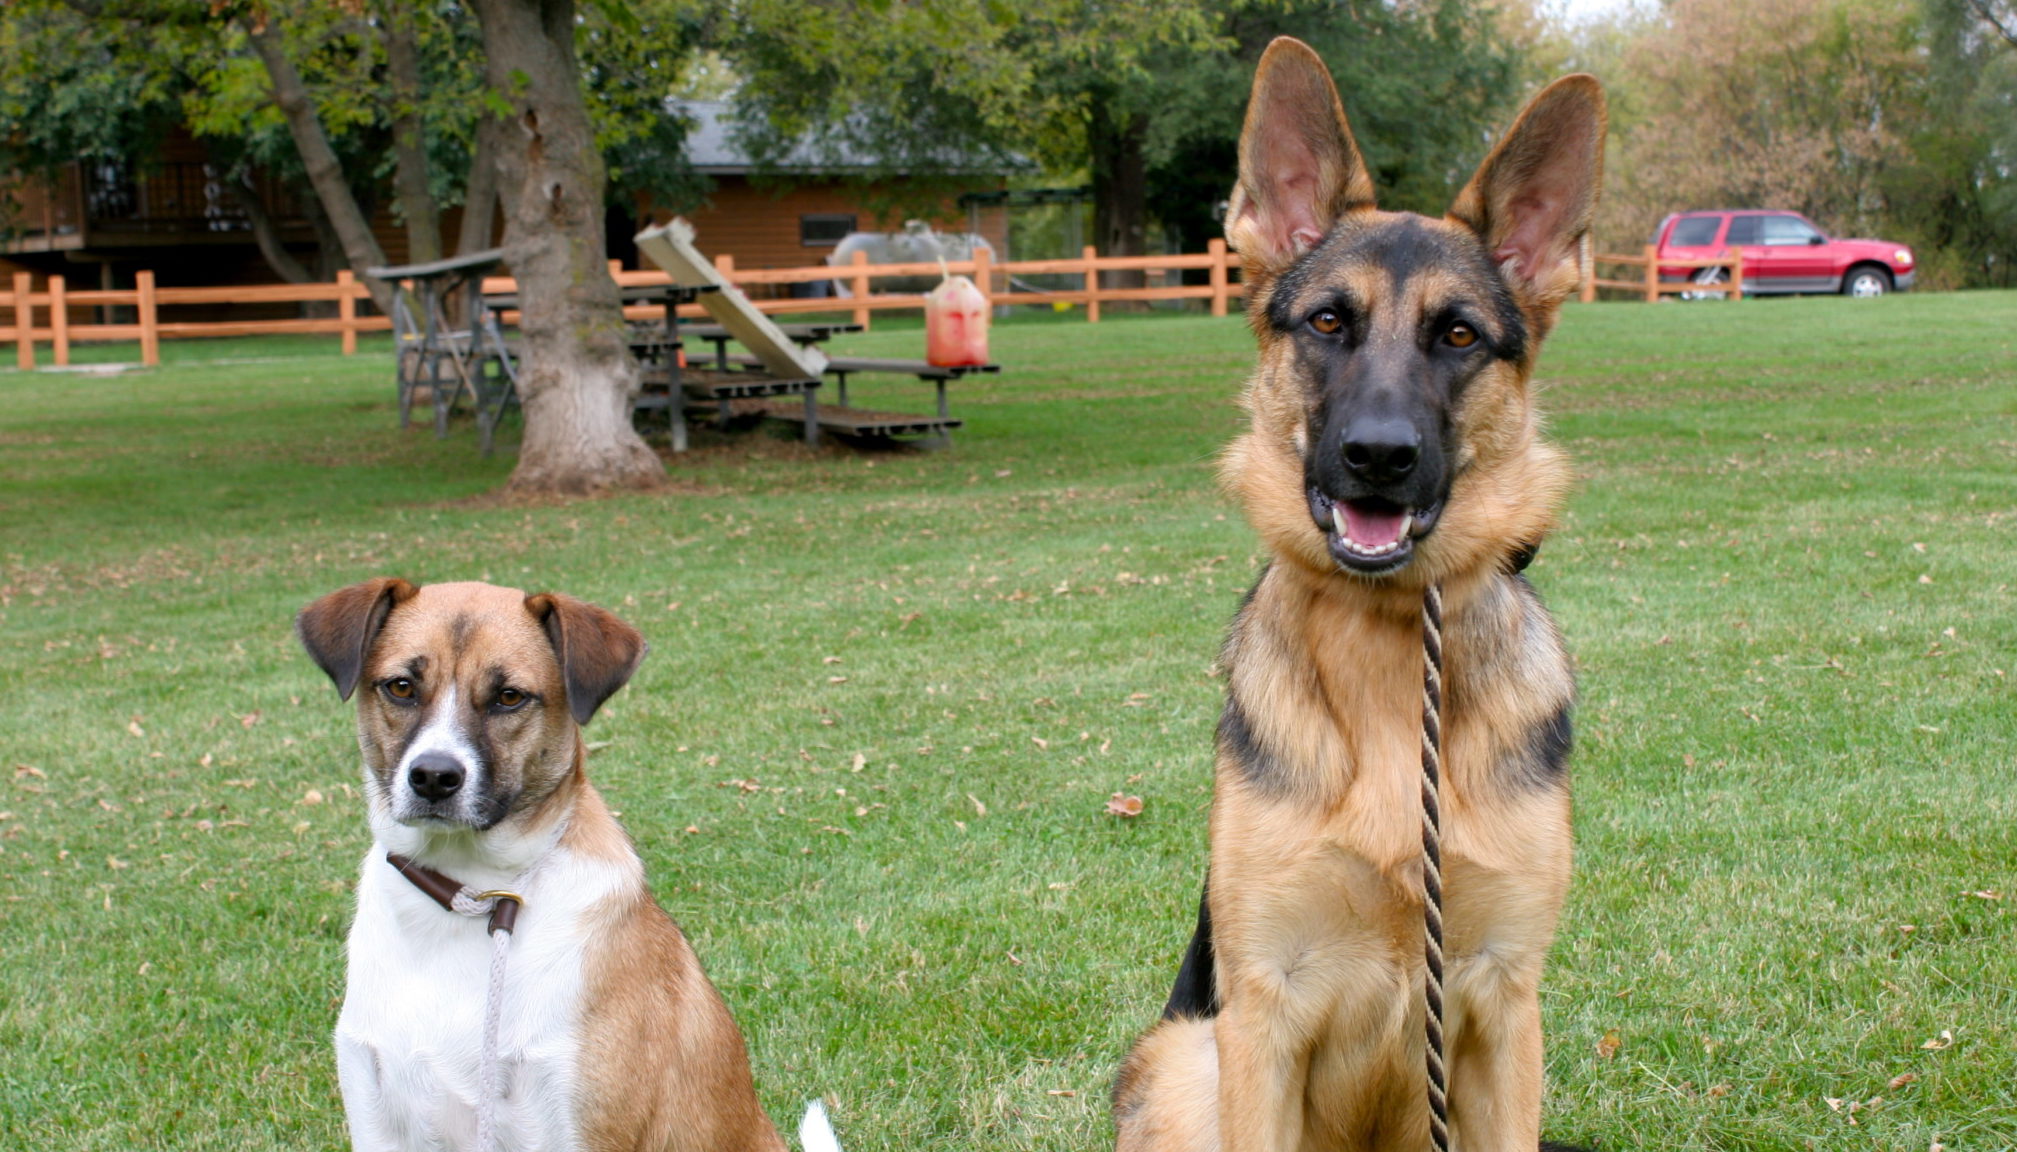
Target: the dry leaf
(1123, 805)
(21, 770)
(860, 762)
(1944, 1040)
(1062, 1092)
(1040, 742)
(311, 797)
(1609, 1045)
(829, 659)
(134, 727)
(249, 719)
(1901, 1079)
(979, 809)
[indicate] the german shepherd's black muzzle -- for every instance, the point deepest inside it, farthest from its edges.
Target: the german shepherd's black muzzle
(1377, 472)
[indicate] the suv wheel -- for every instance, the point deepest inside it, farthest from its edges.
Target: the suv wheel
(1708, 276)
(1865, 280)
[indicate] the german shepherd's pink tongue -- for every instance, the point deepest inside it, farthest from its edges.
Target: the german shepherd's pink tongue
(1370, 527)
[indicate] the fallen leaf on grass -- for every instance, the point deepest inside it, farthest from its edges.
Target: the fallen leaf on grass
(1987, 894)
(21, 770)
(311, 797)
(1901, 1079)
(1609, 1045)
(1944, 1040)
(134, 727)
(249, 719)
(979, 808)
(1120, 804)
(1062, 1092)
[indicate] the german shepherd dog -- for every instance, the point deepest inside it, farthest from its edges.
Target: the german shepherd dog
(1394, 443)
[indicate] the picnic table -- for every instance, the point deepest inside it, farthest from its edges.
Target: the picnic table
(446, 352)
(673, 388)
(788, 352)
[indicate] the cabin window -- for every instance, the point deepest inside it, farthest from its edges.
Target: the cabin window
(823, 230)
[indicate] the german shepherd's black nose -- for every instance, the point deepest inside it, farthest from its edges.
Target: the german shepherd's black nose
(434, 776)
(1381, 450)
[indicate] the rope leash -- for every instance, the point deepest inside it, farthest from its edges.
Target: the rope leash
(502, 909)
(1432, 860)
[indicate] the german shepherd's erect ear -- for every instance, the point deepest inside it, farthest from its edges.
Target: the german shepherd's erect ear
(1533, 198)
(1299, 167)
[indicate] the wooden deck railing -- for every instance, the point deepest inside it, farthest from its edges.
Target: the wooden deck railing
(1649, 285)
(43, 316)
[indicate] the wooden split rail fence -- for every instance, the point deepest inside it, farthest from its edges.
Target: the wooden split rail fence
(45, 315)
(1649, 285)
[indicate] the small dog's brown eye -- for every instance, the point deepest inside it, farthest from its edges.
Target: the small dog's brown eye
(510, 698)
(1461, 336)
(1327, 322)
(399, 688)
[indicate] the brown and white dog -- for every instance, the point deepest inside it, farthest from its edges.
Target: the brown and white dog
(610, 1035)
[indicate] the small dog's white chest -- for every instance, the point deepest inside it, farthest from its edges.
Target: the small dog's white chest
(410, 1038)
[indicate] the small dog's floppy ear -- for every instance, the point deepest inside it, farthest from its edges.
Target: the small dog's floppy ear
(1299, 167)
(1534, 197)
(338, 629)
(597, 651)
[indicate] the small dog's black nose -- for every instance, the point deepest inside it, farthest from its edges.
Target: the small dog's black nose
(1381, 450)
(434, 776)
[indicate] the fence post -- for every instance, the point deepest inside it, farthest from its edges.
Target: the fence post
(24, 322)
(983, 275)
(859, 286)
(1216, 249)
(150, 331)
(1652, 274)
(1737, 276)
(1586, 266)
(346, 309)
(1090, 254)
(59, 320)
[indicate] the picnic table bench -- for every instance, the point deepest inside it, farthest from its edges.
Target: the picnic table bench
(862, 423)
(443, 357)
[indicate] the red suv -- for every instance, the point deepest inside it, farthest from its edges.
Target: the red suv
(1783, 252)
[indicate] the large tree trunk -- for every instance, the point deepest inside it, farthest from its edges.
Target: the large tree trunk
(360, 247)
(409, 136)
(1118, 144)
(577, 376)
(479, 198)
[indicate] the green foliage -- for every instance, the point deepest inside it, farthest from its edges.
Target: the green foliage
(72, 88)
(934, 87)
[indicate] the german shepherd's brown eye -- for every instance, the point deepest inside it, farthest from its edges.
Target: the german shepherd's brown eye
(400, 689)
(510, 699)
(1327, 322)
(1460, 336)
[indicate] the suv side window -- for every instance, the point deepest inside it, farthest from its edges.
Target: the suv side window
(1787, 230)
(1694, 231)
(1743, 230)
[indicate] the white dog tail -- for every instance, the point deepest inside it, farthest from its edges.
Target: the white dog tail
(815, 1132)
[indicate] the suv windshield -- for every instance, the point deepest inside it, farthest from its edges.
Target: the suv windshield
(1694, 231)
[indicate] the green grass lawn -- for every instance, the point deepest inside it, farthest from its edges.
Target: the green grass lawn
(890, 694)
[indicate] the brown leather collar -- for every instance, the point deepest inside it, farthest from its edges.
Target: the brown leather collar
(443, 891)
